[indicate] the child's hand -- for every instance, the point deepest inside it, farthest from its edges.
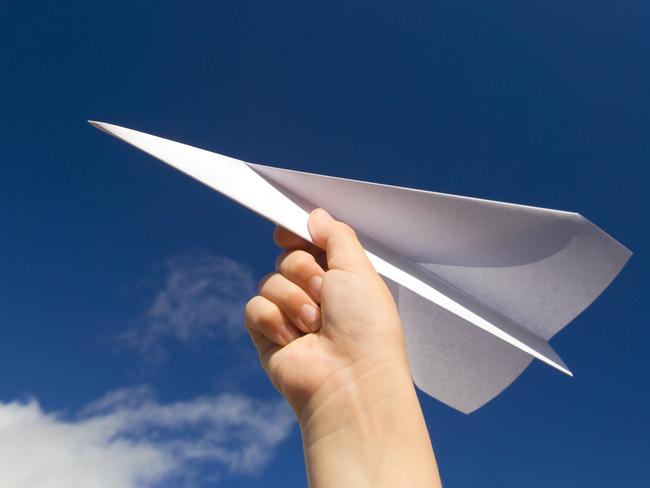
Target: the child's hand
(329, 337)
(324, 319)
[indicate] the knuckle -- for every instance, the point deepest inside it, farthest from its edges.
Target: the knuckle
(264, 282)
(279, 261)
(252, 306)
(297, 263)
(277, 235)
(345, 229)
(259, 311)
(266, 316)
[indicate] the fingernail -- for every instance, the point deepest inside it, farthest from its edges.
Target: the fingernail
(310, 316)
(317, 218)
(321, 213)
(314, 286)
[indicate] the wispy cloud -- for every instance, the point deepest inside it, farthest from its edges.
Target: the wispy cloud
(201, 296)
(130, 440)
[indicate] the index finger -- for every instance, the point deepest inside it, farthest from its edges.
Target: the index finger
(290, 241)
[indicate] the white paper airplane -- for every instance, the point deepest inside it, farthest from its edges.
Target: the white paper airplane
(481, 286)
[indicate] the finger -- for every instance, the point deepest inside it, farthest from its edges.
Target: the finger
(301, 267)
(288, 240)
(293, 301)
(340, 242)
(264, 318)
(265, 347)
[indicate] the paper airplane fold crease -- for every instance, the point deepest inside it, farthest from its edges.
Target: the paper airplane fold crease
(481, 286)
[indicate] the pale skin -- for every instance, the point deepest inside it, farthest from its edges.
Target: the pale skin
(330, 339)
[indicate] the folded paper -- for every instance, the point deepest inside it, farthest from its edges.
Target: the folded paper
(481, 286)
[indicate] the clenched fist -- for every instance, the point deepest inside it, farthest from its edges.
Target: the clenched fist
(323, 316)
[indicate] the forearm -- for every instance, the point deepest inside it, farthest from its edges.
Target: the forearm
(365, 428)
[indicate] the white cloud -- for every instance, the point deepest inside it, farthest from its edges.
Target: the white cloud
(130, 440)
(202, 296)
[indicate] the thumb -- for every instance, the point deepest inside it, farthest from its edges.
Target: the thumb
(339, 241)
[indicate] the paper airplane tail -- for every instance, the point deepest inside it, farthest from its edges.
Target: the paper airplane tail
(451, 359)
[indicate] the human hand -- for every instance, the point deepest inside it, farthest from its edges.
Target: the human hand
(324, 319)
(330, 339)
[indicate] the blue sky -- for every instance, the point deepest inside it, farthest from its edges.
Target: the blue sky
(539, 103)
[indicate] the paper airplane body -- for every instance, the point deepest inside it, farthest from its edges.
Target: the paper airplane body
(481, 286)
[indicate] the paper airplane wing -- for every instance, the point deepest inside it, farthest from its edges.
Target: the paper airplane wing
(481, 285)
(538, 267)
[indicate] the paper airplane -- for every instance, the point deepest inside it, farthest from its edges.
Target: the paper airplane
(481, 286)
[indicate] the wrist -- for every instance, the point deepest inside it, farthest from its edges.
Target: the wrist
(364, 428)
(353, 397)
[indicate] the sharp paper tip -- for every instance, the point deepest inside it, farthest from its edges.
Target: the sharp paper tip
(100, 125)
